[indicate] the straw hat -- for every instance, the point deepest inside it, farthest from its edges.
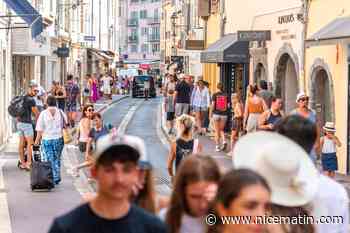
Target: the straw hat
(329, 126)
(287, 168)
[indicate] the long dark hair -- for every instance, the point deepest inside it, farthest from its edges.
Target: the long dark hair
(231, 186)
(146, 197)
(193, 169)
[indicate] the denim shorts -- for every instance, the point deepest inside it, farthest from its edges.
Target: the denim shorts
(25, 129)
(199, 109)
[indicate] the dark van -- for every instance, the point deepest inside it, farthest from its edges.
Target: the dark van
(137, 89)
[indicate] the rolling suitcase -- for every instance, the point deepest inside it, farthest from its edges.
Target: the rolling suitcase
(41, 176)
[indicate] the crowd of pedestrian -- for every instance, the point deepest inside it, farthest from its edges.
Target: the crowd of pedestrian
(273, 154)
(263, 185)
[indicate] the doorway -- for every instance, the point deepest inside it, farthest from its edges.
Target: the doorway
(286, 82)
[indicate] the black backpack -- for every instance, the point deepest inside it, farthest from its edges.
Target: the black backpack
(16, 108)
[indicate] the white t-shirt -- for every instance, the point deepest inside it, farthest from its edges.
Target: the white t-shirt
(189, 224)
(331, 200)
(51, 126)
(106, 81)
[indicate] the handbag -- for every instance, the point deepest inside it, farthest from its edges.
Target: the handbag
(67, 137)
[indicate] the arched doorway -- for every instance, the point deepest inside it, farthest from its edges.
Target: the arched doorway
(286, 82)
(322, 96)
(259, 73)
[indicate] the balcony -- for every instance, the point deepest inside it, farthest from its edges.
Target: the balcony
(153, 21)
(133, 22)
(154, 38)
(133, 39)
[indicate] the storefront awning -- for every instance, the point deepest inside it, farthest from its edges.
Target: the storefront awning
(227, 50)
(337, 29)
(101, 55)
(28, 13)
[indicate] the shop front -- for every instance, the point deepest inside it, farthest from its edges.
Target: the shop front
(328, 73)
(278, 61)
(28, 58)
(232, 57)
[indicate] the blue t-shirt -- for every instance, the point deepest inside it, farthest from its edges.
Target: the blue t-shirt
(97, 134)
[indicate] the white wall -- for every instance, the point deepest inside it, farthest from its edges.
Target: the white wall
(240, 15)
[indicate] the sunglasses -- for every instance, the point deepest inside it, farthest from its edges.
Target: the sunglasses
(90, 110)
(304, 99)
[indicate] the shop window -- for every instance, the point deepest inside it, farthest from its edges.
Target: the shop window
(214, 6)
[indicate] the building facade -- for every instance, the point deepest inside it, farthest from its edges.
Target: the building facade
(327, 68)
(143, 34)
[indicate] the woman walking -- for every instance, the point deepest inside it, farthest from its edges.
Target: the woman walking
(237, 122)
(200, 101)
(60, 95)
(185, 144)
(219, 112)
(49, 126)
(254, 107)
(241, 193)
(94, 89)
(85, 127)
(194, 190)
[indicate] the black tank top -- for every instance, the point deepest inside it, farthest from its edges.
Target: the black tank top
(183, 149)
(273, 118)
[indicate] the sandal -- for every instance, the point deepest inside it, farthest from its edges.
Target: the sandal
(21, 165)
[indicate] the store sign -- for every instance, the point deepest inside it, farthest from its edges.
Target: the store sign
(285, 19)
(62, 52)
(194, 44)
(145, 66)
(23, 43)
(253, 35)
(89, 38)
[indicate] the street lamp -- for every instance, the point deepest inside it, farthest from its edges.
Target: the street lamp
(173, 22)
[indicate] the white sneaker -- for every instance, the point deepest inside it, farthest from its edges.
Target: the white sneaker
(217, 148)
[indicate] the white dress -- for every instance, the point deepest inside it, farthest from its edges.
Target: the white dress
(106, 88)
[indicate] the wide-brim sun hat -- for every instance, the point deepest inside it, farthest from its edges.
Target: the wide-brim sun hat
(287, 168)
(329, 127)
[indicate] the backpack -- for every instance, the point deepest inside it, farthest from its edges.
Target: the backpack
(221, 103)
(16, 107)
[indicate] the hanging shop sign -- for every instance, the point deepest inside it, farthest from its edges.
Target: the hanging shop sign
(253, 35)
(62, 52)
(194, 44)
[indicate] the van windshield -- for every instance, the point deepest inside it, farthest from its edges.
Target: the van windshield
(141, 79)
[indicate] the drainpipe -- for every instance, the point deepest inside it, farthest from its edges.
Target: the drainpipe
(305, 12)
(222, 18)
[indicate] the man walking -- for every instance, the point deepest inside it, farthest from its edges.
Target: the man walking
(116, 172)
(25, 126)
(182, 96)
(73, 94)
(146, 87)
(265, 93)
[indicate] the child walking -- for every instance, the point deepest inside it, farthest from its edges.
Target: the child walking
(329, 144)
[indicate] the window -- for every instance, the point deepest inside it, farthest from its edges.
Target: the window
(156, 14)
(144, 48)
(144, 31)
(134, 15)
(214, 6)
(155, 48)
(133, 49)
(143, 14)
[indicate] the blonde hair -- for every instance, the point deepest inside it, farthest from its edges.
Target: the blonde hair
(236, 98)
(187, 122)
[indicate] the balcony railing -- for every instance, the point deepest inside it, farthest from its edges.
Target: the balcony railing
(154, 38)
(133, 22)
(133, 39)
(152, 21)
